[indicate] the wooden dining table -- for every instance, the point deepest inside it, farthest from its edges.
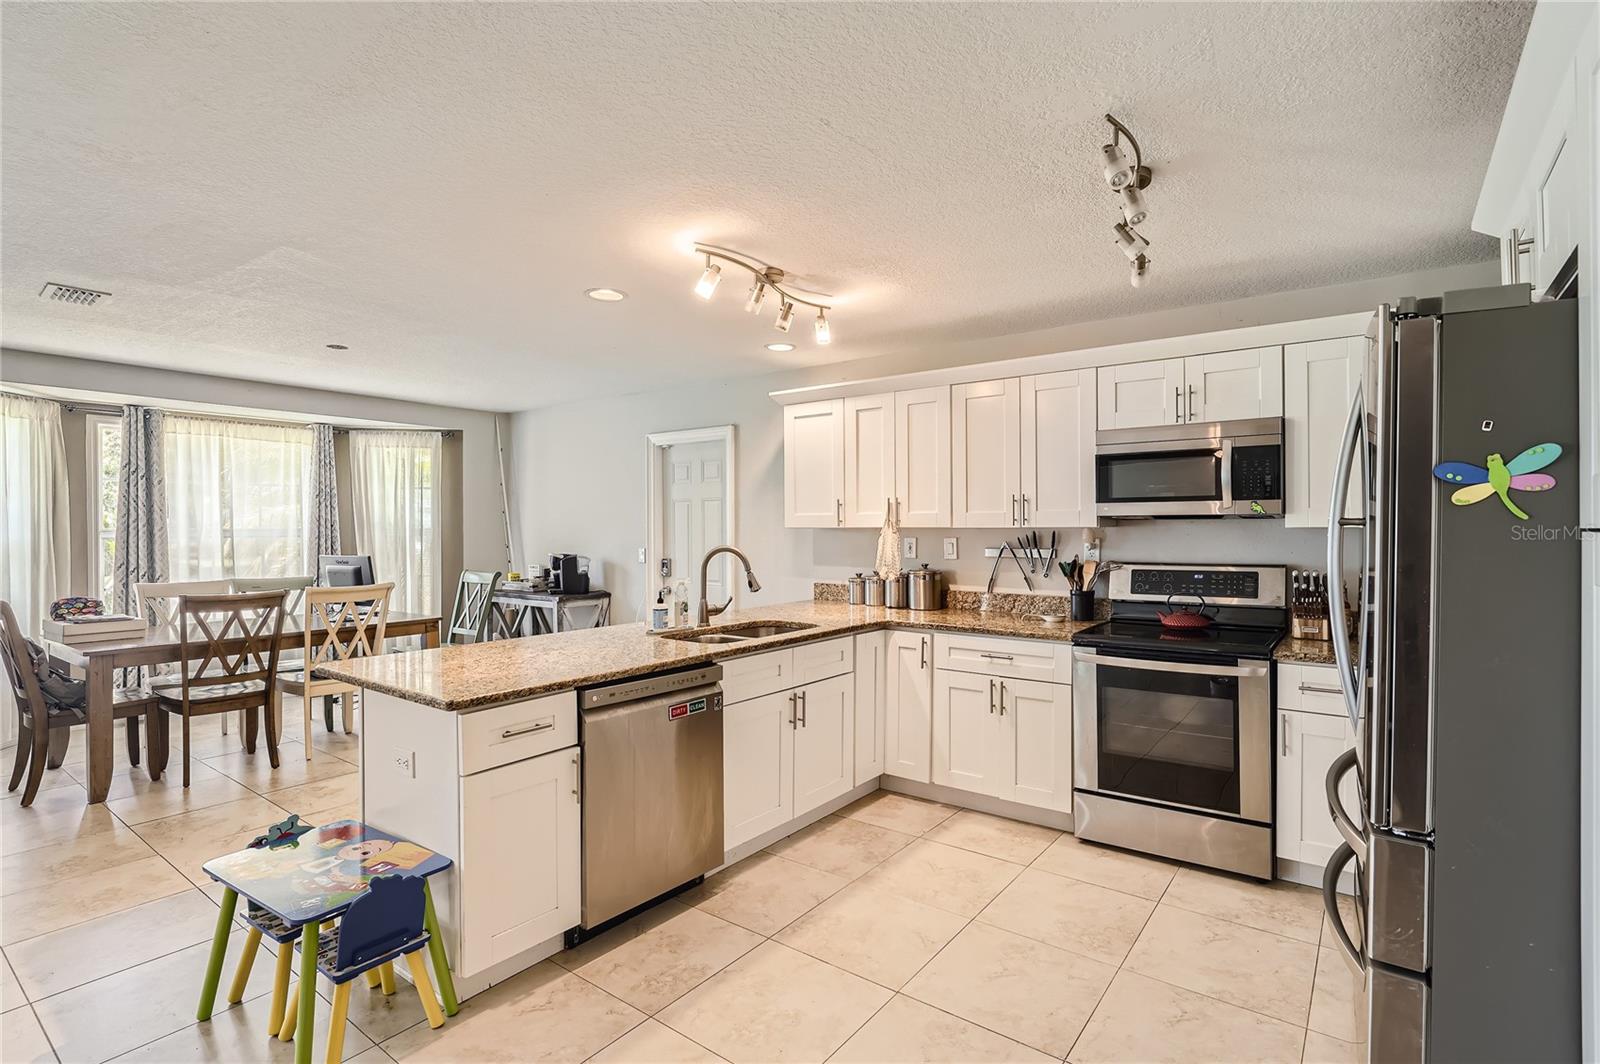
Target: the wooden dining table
(164, 646)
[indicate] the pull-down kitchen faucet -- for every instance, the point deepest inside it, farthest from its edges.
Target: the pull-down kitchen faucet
(708, 611)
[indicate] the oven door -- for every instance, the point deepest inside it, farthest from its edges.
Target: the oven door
(1185, 734)
(1163, 478)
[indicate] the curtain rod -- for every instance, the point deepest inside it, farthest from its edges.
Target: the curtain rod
(115, 410)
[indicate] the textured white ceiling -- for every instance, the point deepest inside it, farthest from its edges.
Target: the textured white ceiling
(435, 184)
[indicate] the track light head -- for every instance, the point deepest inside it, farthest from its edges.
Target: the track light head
(758, 292)
(1134, 210)
(785, 317)
(708, 280)
(1138, 270)
(824, 333)
(1132, 244)
(1116, 167)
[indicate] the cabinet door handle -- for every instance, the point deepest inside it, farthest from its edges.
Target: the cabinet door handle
(1313, 689)
(1177, 406)
(1002, 698)
(995, 657)
(1191, 402)
(576, 779)
(794, 709)
(1013, 509)
(802, 709)
(838, 511)
(1283, 729)
(529, 729)
(991, 697)
(923, 664)
(1024, 508)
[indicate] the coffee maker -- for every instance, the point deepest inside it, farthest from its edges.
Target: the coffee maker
(568, 574)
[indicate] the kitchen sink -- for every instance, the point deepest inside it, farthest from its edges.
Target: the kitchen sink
(738, 633)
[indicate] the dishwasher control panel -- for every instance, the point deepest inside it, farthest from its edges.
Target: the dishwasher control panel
(649, 687)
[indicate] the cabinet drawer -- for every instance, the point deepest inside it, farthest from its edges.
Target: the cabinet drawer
(824, 660)
(521, 730)
(1024, 659)
(1310, 689)
(757, 674)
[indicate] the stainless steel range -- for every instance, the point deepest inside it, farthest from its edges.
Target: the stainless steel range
(1172, 727)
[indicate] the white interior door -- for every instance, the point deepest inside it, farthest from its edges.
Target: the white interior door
(869, 457)
(985, 468)
(1320, 380)
(813, 465)
(1231, 385)
(1058, 449)
(1138, 394)
(694, 481)
(922, 457)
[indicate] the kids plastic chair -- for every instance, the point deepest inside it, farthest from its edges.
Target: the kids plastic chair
(284, 833)
(378, 928)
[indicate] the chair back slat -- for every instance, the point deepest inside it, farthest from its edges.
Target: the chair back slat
(345, 622)
(386, 917)
(157, 602)
(469, 617)
(19, 673)
(229, 639)
(294, 585)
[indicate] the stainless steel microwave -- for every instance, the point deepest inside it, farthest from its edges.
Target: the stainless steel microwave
(1215, 469)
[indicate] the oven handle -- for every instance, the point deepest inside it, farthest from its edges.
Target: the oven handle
(1248, 671)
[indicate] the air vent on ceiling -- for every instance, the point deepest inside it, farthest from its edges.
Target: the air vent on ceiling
(66, 293)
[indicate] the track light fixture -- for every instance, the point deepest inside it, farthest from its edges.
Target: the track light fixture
(1128, 180)
(765, 278)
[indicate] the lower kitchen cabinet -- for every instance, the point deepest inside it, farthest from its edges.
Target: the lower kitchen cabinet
(1005, 738)
(527, 890)
(823, 730)
(871, 694)
(1308, 743)
(908, 706)
(757, 766)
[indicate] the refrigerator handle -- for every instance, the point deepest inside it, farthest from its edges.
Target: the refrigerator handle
(1354, 440)
(1341, 818)
(1353, 955)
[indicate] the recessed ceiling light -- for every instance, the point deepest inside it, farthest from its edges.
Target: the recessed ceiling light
(780, 347)
(606, 295)
(338, 347)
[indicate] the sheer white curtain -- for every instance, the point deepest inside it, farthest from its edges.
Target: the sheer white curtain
(34, 546)
(238, 499)
(395, 488)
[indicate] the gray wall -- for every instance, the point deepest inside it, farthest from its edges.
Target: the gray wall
(473, 531)
(579, 474)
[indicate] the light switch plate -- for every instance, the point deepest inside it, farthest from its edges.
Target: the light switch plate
(641, 555)
(950, 548)
(910, 543)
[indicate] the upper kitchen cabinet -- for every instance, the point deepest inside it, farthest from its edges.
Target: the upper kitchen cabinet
(986, 463)
(1233, 385)
(1057, 456)
(922, 457)
(813, 465)
(1320, 380)
(869, 456)
(1138, 394)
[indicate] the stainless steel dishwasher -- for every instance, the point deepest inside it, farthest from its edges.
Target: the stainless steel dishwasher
(652, 788)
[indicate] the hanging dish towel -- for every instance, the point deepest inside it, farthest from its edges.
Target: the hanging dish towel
(888, 564)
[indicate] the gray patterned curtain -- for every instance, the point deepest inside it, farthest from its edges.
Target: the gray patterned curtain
(324, 493)
(141, 553)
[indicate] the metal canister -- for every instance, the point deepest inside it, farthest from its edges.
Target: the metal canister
(857, 589)
(873, 584)
(927, 589)
(894, 592)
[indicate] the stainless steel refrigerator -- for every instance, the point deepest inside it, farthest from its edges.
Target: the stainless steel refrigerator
(1463, 683)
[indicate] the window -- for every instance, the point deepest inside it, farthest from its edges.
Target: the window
(104, 453)
(395, 481)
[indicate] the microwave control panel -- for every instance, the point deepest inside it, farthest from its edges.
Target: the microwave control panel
(1258, 473)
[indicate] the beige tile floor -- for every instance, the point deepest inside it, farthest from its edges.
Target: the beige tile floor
(897, 931)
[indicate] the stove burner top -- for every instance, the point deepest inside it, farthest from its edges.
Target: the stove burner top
(1219, 640)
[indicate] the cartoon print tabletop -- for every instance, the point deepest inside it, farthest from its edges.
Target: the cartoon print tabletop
(316, 875)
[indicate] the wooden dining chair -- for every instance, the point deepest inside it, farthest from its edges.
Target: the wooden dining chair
(340, 623)
(470, 616)
(157, 603)
(42, 734)
(229, 646)
(293, 606)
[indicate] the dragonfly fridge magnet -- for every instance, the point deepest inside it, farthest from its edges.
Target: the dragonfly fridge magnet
(1501, 477)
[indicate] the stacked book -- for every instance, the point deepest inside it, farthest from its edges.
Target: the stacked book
(94, 628)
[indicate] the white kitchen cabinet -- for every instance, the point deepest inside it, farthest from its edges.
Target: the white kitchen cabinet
(1233, 385)
(908, 706)
(1320, 380)
(986, 472)
(813, 465)
(966, 735)
(824, 742)
(1057, 455)
(527, 891)
(1308, 743)
(922, 457)
(757, 766)
(1137, 394)
(869, 458)
(871, 677)
(1036, 732)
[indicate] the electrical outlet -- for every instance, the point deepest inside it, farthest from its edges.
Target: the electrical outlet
(910, 543)
(406, 762)
(950, 547)
(641, 555)
(1091, 548)
(666, 568)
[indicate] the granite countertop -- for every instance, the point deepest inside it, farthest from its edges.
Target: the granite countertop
(1305, 651)
(477, 676)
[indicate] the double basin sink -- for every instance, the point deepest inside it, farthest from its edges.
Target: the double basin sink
(738, 633)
